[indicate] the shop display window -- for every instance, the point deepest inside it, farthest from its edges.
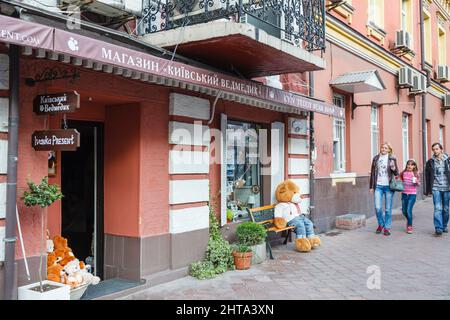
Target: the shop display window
(244, 183)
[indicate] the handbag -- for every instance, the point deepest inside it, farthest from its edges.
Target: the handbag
(396, 184)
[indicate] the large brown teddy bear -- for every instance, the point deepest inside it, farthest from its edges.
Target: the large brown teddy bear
(288, 212)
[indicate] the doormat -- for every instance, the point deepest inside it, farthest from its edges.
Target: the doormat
(108, 287)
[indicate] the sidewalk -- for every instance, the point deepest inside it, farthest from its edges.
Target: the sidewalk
(413, 266)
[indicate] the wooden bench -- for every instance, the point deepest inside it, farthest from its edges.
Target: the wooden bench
(265, 216)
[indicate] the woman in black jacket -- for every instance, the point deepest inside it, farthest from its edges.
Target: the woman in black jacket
(384, 167)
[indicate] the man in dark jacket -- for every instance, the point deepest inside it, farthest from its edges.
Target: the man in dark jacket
(437, 183)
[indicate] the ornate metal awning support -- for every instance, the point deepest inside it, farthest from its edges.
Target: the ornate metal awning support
(53, 73)
(301, 22)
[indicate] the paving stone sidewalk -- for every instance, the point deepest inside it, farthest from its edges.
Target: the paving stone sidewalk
(413, 266)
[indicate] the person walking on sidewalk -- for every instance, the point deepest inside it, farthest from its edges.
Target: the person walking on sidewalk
(411, 180)
(384, 167)
(437, 177)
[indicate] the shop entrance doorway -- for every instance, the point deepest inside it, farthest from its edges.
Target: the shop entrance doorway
(82, 187)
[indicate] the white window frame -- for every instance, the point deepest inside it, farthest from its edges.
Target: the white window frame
(405, 137)
(374, 130)
(404, 12)
(441, 135)
(339, 162)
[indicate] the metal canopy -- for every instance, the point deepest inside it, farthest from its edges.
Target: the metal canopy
(361, 81)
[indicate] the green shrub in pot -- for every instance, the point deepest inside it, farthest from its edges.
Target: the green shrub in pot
(250, 233)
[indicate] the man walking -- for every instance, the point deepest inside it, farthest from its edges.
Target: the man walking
(437, 176)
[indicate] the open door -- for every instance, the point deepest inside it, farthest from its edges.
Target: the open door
(82, 187)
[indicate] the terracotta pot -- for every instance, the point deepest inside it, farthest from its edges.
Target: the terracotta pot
(242, 260)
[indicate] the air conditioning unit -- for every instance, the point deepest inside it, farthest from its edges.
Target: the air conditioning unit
(420, 83)
(446, 101)
(403, 40)
(442, 73)
(406, 77)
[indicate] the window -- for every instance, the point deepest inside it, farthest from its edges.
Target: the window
(406, 11)
(374, 130)
(405, 138)
(428, 138)
(442, 136)
(339, 138)
(442, 47)
(243, 168)
(427, 28)
(376, 12)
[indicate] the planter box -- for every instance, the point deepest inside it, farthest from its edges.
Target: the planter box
(259, 253)
(58, 292)
(77, 293)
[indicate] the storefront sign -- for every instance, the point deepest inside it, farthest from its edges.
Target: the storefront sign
(56, 140)
(35, 35)
(25, 33)
(56, 103)
(96, 50)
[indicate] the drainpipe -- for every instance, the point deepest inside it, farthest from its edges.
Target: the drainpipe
(11, 185)
(311, 149)
(423, 96)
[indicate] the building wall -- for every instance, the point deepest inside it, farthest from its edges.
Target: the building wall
(345, 52)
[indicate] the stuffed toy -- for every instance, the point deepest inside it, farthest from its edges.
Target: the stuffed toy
(288, 211)
(55, 272)
(64, 267)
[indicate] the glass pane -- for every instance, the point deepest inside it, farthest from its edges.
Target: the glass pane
(243, 169)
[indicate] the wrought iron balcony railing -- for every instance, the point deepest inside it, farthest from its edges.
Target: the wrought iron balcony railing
(301, 22)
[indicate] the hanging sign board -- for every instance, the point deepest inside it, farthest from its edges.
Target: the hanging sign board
(56, 103)
(56, 140)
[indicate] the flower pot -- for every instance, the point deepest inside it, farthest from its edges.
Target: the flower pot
(242, 260)
(259, 253)
(52, 291)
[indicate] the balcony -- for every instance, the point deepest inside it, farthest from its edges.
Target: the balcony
(251, 38)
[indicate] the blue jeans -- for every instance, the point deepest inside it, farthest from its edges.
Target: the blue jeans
(441, 200)
(303, 226)
(408, 201)
(385, 220)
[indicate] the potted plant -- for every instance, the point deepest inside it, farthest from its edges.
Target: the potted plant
(230, 215)
(42, 196)
(254, 236)
(242, 255)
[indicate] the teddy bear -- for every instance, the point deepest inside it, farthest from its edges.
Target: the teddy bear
(64, 267)
(288, 212)
(55, 272)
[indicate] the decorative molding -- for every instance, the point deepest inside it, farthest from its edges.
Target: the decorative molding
(2, 200)
(376, 32)
(4, 112)
(298, 146)
(188, 162)
(188, 191)
(3, 156)
(189, 219)
(188, 106)
(2, 244)
(188, 134)
(298, 166)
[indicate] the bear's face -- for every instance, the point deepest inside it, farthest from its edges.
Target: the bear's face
(288, 191)
(59, 243)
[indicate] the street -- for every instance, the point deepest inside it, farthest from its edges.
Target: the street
(350, 264)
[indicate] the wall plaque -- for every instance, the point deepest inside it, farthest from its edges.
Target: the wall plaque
(56, 140)
(56, 103)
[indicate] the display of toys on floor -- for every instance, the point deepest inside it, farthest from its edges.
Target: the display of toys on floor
(64, 267)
